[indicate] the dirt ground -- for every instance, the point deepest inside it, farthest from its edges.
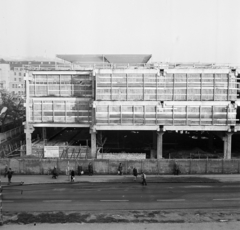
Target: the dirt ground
(163, 216)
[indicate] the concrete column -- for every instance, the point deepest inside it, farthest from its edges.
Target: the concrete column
(227, 145)
(159, 144)
(93, 145)
(28, 131)
(44, 133)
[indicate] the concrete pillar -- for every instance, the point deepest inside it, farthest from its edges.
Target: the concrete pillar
(28, 131)
(227, 145)
(93, 145)
(159, 144)
(44, 133)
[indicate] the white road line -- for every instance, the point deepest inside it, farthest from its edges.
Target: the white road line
(173, 200)
(198, 186)
(46, 201)
(227, 199)
(114, 200)
(231, 186)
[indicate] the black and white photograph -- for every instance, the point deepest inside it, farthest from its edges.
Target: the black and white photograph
(120, 114)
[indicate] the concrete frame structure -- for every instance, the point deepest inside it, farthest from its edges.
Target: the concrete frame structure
(226, 99)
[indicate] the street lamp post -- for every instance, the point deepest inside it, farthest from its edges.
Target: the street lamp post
(4, 109)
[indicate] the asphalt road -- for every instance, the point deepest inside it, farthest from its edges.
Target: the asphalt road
(120, 196)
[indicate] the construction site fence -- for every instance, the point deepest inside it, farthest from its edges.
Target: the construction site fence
(110, 167)
(65, 152)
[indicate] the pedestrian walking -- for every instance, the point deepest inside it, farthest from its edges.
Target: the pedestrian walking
(144, 177)
(90, 169)
(176, 170)
(135, 173)
(54, 173)
(120, 169)
(72, 175)
(9, 174)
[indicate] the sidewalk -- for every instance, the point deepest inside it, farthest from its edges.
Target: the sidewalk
(46, 179)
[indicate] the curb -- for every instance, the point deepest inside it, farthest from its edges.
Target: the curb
(110, 182)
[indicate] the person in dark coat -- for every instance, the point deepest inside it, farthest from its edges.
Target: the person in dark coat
(90, 169)
(54, 173)
(120, 169)
(72, 175)
(144, 177)
(9, 174)
(176, 170)
(135, 173)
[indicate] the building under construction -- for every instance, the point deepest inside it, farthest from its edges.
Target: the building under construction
(81, 105)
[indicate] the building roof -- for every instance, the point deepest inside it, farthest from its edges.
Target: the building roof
(105, 58)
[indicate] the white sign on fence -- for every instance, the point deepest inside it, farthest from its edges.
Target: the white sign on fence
(51, 151)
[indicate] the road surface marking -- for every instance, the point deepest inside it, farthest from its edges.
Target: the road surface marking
(59, 189)
(46, 201)
(198, 186)
(114, 200)
(231, 186)
(173, 200)
(7, 201)
(227, 199)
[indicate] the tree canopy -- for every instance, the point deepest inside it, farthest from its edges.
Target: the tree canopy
(15, 113)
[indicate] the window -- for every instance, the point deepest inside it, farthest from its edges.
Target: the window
(20, 74)
(15, 73)
(15, 79)
(19, 79)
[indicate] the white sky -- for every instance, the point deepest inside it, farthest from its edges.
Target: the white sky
(171, 30)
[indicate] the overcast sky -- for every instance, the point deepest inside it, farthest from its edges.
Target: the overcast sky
(170, 30)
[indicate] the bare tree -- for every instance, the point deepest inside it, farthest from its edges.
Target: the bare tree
(101, 140)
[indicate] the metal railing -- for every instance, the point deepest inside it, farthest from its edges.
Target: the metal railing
(104, 65)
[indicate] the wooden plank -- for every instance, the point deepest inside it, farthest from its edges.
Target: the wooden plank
(65, 108)
(214, 86)
(60, 85)
(120, 114)
(172, 115)
(173, 94)
(200, 114)
(143, 86)
(108, 114)
(126, 86)
(212, 115)
(156, 87)
(111, 87)
(42, 111)
(228, 86)
(133, 114)
(144, 114)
